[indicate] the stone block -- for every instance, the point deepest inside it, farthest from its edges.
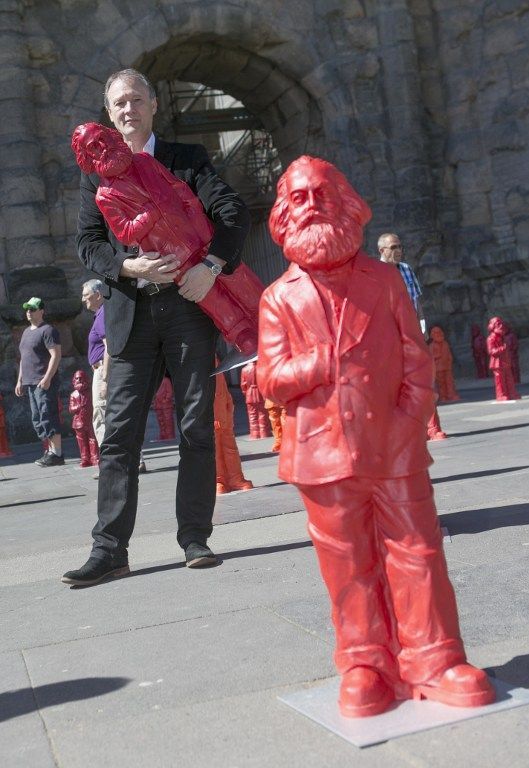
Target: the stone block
(464, 146)
(27, 250)
(19, 154)
(29, 220)
(503, 36)
(414, 214)
(474, 177)
(360, 34)
(475, 209)
(413, 182)
(510, 136)
(22, 186)
(395, 25)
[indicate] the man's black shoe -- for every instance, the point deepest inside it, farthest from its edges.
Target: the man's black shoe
(199, 556)
(50, 460)
(93, 571)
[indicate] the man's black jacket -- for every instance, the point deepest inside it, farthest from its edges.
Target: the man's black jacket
(102, 253)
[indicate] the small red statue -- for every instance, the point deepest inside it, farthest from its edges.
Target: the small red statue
(81, 407)
(255, 405)
(276, 415)
(340, 347)
(227, 457)
(146, 205)
(479, 352)
(5, 450)
(511, 339)
(163, 405)
(500, 361)
(443, 365)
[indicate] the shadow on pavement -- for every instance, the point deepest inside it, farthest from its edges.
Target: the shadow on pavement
(224, 556)
(38, 501)
(26, 700)
(515, 671)
(480, 473)
(486, 431)
(479, 520)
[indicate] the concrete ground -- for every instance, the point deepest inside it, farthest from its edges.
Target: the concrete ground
(172, 667)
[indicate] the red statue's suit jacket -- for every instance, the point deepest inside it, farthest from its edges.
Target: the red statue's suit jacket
(362, 410)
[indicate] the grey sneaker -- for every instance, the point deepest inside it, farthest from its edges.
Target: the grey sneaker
(39, 461)
(199, 556)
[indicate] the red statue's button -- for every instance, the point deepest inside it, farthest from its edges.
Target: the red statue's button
(348, 415)
(344, 380)
(355, 455)
(366, 378)
(370, 416)
(365, 353)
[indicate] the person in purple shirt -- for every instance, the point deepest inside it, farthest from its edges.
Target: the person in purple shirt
(99, 359)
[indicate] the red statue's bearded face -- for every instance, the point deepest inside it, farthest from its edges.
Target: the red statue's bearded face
(100, 150)
(437, 333)
(318, 218)
(495, 325)
(80, 380)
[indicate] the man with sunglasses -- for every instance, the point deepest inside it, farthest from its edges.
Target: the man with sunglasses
(391, 251)
(40, 355)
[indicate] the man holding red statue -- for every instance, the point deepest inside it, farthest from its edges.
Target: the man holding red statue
(341, 349)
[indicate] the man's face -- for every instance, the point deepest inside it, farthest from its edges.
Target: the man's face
(391, 251)
(35, 316)
(91, 299)
(312, 198)
(131, 109)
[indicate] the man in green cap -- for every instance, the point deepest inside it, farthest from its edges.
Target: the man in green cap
(40, 355)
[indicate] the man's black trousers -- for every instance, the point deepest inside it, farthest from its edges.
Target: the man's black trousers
(167, 331)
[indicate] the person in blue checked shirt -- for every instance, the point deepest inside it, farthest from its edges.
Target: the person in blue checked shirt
(391, 251)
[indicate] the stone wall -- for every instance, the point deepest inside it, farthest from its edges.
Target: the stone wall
(422, 103)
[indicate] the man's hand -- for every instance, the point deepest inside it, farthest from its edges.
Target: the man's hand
(19, 391)
(44, 383)
(196, 283)
(152, 267)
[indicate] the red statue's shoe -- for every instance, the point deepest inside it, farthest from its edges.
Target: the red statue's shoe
(221, 488)
(245, 485)
(459, 686)
(364, 693)
(276, 447)
(440, 435)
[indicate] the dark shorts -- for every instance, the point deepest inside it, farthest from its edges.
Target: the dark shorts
(44, 405)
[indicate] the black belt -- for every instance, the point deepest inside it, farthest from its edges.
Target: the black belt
(153, 288)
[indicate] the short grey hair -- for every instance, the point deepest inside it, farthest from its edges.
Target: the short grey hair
(128, 74)
(94, 285)
(383, 239)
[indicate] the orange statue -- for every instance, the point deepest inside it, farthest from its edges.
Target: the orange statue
(163, 405)
(500, 361)
(257, 416)
(276, 415)
(227, 458)
(5, 450)
(443, 365)
(81, 407)
(341, 349)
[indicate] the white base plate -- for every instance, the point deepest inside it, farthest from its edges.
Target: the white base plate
(320, 703)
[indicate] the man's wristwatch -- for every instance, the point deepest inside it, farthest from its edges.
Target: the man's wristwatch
(215, 269)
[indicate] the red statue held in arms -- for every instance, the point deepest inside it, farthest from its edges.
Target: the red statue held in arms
(145, 205)
(340, 347)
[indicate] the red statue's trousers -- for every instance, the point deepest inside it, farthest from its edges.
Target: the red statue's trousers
(258, 420)
(380, 552)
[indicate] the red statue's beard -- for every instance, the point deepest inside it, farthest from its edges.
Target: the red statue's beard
(322, 245)
(113, 162)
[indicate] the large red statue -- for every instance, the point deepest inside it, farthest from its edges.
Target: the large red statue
(145, 205)
(341, 349)
(257, 415)
(442, 357)
(500, 361)
(81, 407)
(5, 450)
(227, 457)
(511, 339)
(479, 352)
(163, 405)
